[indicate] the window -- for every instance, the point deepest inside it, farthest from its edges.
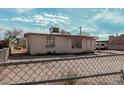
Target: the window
(50, 42)
(76, 42)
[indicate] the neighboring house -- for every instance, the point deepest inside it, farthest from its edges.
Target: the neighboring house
(116, 42)
(3, 44)
(58, 43)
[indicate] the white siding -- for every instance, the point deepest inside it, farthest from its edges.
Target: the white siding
(62, 45)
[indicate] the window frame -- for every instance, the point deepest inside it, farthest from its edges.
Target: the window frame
(50, 42)
(76, 42)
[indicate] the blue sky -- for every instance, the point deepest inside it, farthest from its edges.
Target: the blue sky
(98, 22)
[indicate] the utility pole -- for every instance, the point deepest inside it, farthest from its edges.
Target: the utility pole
(80, 31)
(117, 34)
(1, 36)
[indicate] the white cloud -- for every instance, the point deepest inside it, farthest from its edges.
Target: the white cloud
(113, 17)
(87, 29)
(21, 19)
(43, 19)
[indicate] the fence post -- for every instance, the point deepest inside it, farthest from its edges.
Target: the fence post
(122, 73)
(6, 54)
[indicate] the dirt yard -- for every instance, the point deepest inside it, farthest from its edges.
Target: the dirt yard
(17, 57)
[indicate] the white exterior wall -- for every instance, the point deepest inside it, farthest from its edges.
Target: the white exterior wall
(62, 45)
(93, 44)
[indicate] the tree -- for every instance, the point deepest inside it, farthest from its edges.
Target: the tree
(13, 36)
(65, 32)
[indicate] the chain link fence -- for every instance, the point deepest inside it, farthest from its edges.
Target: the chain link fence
(105, 69)
(4, 53)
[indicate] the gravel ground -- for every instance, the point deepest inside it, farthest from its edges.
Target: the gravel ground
(23, 57)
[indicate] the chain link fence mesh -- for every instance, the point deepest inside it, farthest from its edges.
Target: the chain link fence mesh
(4, 53)
(59, 69)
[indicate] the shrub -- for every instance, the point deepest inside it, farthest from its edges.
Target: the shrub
(69, 74)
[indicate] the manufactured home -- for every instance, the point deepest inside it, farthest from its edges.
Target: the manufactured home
(57, 43)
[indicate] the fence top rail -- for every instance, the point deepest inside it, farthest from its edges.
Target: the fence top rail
(30, 61)
(3, 49)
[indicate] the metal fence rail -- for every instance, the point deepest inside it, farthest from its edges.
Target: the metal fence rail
(4, 53)
(67, 79)
(107, 69)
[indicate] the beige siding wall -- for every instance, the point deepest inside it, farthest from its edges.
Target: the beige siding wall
(117, 40)
(93, 42)
(84, 46)
(27, 44)
(118, 47)
(62, 45)
(65, 46)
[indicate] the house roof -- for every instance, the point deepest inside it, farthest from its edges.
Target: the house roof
(53, 34)
(106, 41)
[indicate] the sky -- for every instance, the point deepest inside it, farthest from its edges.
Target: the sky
(99, 22)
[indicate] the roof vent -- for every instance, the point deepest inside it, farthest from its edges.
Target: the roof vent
(54, 30)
